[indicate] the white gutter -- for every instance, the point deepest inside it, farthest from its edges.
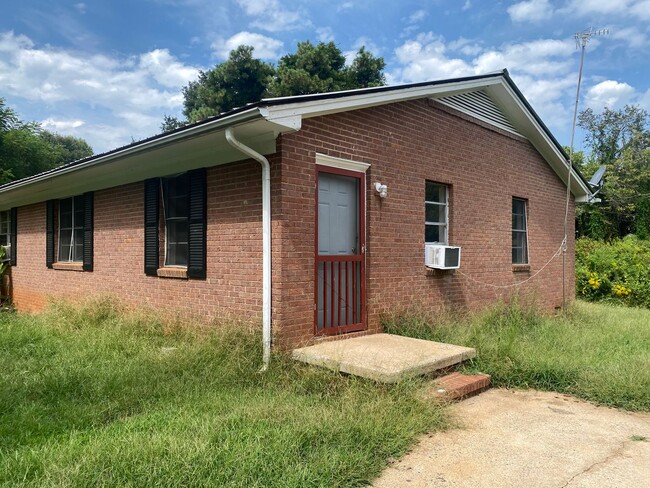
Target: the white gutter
(266, 242)
(240, 117)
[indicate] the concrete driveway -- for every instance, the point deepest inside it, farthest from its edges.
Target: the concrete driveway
(530, 439)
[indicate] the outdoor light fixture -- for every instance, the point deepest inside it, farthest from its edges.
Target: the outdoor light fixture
(382, 190)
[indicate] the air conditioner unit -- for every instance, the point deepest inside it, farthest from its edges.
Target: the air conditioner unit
(441, 257)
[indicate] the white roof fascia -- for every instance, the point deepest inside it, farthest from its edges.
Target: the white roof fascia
(558, 163)
(129, 150)
(324, 106)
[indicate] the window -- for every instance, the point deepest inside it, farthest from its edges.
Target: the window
(71, 229)
(436, 213)
(69, 233)
(5, 232)
(175, 210)
(519, 232)
(176, 216)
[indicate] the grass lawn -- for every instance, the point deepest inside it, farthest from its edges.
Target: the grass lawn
(90, 396)
(94, 396)
(597, 352)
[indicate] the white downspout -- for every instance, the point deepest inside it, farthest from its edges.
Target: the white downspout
(266, 242)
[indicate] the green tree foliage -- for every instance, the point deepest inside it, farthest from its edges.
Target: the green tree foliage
(70, 148)
(243, 79)
(27, 149)
(170, 123)
(240, 80)
(619, 139)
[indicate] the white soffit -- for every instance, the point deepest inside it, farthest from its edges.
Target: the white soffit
(479, 105)
(340, 163)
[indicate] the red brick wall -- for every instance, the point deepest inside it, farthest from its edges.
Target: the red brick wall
(234, 267)
(407, 143)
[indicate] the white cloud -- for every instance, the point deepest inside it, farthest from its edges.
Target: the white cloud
(106, 90)
(543, 57)
(61, 125)
(465, 46)
(265, 47)
(325, 34)
(530, 11)
(417, 16)
(272, 17)
(428, 57)
(543, 69)
(631, 35)
(81, 7)
(606, 9)
(594, 7)
(609, 93)
(467, 5)
(165, 69)
(641, 10)
(344, 6)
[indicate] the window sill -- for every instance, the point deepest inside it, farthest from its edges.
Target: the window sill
(520, 268)
(169, 272)
(68, 266)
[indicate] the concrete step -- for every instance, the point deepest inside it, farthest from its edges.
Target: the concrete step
(384, 357)
(456, 386)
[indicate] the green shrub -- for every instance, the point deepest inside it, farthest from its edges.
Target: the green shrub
(616, 271)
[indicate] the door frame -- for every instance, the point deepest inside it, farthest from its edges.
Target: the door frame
(361, 177)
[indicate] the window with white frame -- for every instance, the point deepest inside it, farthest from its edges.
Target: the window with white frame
(5, 232)
(436, 207)
(176, 214)
(71, 229)
(519, 232)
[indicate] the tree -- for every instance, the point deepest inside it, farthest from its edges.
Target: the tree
(243, 79)
(27, 149)
(366, 70)
(321, 68)
(240, 80)
(170, 123)
(70, 148)
(619, 139)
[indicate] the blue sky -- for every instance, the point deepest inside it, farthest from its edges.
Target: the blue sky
(107, 70)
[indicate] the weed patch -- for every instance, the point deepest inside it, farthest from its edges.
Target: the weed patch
(598, 352)
(97, 395)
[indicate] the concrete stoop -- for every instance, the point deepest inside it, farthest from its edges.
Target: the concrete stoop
(385, 358)
(457, 386)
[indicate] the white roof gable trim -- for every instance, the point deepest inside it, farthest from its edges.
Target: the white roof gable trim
(510, 112)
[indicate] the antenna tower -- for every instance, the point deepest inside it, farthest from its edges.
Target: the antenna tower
(582, 39)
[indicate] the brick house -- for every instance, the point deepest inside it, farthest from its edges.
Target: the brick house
(310, 212)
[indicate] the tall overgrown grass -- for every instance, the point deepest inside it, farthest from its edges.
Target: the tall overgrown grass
(598, 352)
(95, 395)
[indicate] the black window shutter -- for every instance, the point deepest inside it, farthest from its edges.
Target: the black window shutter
(12, 235)
(151, 210)
(196, 258)
(88, 199)
(49, 234)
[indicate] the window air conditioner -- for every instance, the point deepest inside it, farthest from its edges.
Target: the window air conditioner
(441, 257)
